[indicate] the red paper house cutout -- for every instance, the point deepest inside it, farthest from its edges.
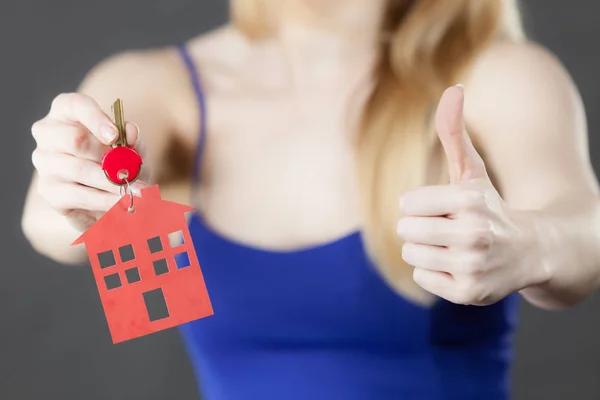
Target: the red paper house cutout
(149, 292)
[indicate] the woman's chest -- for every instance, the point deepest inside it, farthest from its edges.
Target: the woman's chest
(278, 173)
(283, 141)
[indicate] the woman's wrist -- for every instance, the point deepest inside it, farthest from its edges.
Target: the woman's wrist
(541, 241)
(560, 271)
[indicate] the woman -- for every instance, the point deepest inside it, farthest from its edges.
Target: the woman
(323, 285)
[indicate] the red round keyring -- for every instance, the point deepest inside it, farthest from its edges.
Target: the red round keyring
(121, 159)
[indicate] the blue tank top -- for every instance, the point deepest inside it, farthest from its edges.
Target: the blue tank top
(320, 323)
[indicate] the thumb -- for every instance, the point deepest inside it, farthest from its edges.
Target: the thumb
(464, 163)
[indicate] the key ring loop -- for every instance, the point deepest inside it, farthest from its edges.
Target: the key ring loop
(126, 189)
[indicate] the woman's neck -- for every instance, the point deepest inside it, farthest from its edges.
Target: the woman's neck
(321, 42)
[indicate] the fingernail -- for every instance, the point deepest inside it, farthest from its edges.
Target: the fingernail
(460, 86)
(108, 132)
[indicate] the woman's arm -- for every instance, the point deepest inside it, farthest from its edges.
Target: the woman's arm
(527, 115)
(143, 80)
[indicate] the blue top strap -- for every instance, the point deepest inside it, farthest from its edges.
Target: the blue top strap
(197, 84)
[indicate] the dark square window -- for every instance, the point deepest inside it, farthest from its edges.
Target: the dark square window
(132, 275)
(182, 260)
(107, 259)
(112, 281)
(126, 253)
(155, 245)
(160, 266)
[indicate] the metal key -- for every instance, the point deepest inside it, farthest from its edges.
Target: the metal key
(121, 164)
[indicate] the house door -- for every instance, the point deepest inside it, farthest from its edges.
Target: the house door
(156, 305)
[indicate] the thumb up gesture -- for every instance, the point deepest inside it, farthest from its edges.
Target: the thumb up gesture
(466, 245)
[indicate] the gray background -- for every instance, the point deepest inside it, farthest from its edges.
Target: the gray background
(54, 343)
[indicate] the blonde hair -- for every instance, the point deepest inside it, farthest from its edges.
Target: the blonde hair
(427, 45)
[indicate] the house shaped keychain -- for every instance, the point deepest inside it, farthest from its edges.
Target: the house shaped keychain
(142, 255)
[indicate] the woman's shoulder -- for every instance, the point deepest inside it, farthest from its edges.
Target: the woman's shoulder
(227, 59)
(508, 59)
(219, 57)
(157, 78)
(515, 79)
(162, 66)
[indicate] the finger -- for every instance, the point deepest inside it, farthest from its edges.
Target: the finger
(54, 136)
(431, 258)
(443, 259)
(455, 290)
(431, 201)
(133, 136)
(437, 283)
(64, 197)
(464, 163)
(68, 168)
(433, 231)
(79, 108)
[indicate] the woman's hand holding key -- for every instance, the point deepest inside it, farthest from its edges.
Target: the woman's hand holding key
(71, 141)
